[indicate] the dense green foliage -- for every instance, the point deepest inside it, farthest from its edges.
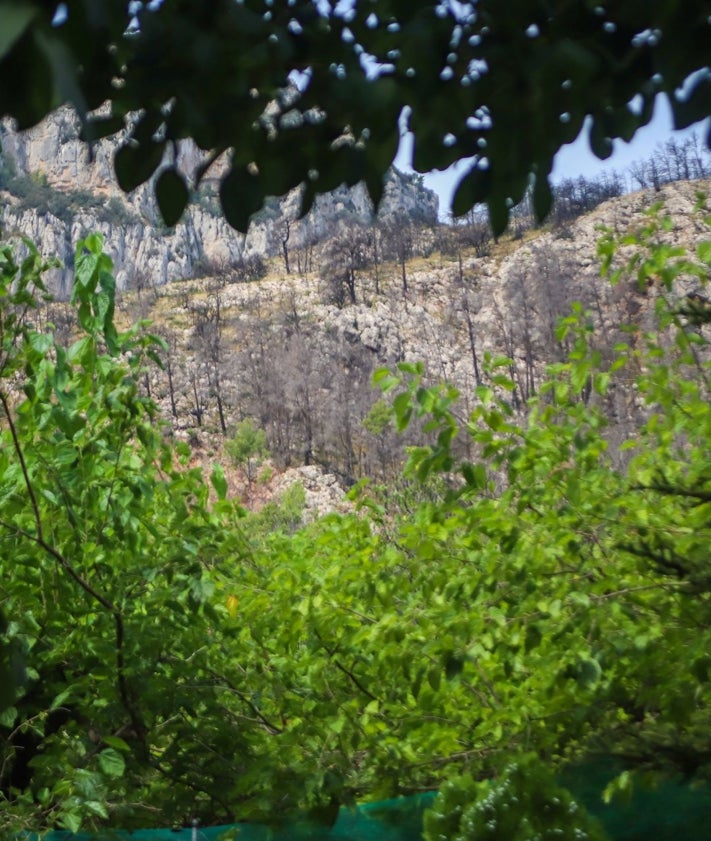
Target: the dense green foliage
(109, 555)
(542, 607)
(504, 84)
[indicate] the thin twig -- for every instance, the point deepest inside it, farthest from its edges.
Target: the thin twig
(226, 683)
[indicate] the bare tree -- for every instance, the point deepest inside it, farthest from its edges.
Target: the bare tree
(647, 173)
(207, 340)
(199, 406)
(574, 196)
(304, 255)
(374, 240)
(285, 233)
(345, 254)
(398, 243)
(698, 156)
(472, 231)
(471, 334)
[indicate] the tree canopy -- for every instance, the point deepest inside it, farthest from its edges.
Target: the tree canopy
(311, 92)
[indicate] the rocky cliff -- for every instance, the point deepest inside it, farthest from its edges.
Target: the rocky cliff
(55, 190)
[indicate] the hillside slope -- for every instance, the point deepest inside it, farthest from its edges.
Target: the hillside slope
(280, 351)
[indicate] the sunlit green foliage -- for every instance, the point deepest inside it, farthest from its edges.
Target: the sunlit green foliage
(248, 445)
(110, 561)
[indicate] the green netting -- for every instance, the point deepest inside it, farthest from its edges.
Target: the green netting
(673, 812)
(387, 820)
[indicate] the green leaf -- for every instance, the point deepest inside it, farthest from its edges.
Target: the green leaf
(86, 274)
(241, 195)
(96, 128)
(402, 407)
(542, 197)
(498, 213)
(384, 379)
(600, 143)
(219, 482)
(703, 252)
(474, 475)
(41, 342)
(434, 678)
(64, 70)
(15, 17)
(453, 666)
(96, 807)
(588, 673)
(620, 788)
(71, 821)
(172, 195)
(337, 724)
(472, 189)
(134, 164)
(8, 716)
(533, 637)
(118, 743)
(111, 762)
(59, 699)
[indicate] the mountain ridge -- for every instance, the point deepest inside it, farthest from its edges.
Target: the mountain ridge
(287, 335)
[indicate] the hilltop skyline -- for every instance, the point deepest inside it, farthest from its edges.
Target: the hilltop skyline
(573, 160)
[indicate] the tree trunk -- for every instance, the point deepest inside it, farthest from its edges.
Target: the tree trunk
(284, 248)
(171, 389)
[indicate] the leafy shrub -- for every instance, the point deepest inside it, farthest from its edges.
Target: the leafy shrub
(249, 269)
(524, 804)
(241, 270)
(284, 514)
(35, 193)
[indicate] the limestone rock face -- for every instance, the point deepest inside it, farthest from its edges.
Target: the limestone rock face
(54, 149)
(142, 254)
(57, 190)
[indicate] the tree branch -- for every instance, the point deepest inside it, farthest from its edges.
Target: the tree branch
(355, 680)
(107, 604)
(331, 653)
(698, 494)
(227, 684)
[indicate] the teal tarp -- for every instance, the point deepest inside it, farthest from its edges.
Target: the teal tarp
(669, 813)
(389, 820)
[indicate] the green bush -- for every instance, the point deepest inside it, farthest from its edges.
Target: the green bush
(35, 193)
(284, 514)
(524, 804)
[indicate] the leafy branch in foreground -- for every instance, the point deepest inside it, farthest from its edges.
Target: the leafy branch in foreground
(100, 535)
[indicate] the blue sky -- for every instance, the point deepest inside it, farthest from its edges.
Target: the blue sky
(576, 158)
